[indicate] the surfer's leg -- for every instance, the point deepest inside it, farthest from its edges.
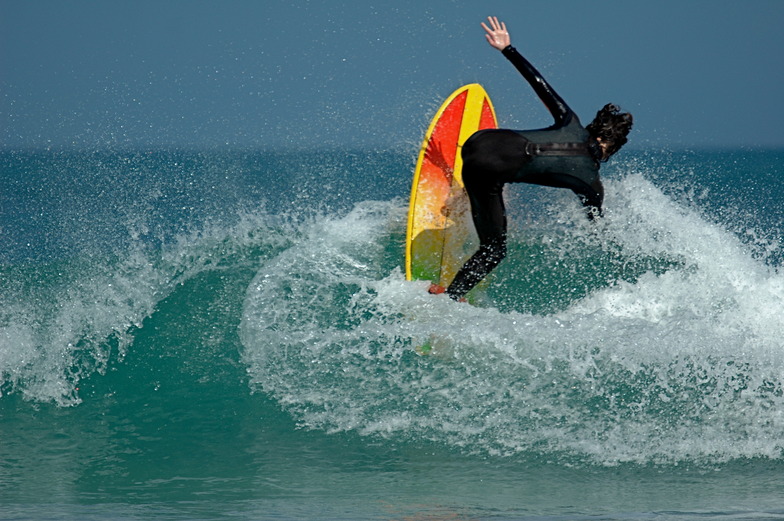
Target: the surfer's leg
(489, 159)
(481, 263)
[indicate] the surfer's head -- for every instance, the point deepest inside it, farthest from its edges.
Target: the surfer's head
(610, 128)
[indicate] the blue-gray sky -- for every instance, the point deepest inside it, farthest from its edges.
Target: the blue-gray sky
(272, 73)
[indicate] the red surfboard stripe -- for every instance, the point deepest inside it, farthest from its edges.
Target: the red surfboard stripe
(439, 162)
(487, 120)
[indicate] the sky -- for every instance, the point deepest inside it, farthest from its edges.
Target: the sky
(98, 74)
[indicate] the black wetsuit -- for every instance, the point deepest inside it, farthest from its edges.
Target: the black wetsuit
(562, 156)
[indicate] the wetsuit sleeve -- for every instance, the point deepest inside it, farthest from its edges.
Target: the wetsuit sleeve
(555, 104)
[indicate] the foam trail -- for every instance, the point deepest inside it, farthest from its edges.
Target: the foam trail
(677, 364)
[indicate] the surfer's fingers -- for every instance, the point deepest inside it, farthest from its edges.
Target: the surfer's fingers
(496, 26)
(486, 28)
(490, 40)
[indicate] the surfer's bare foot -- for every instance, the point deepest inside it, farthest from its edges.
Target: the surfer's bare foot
(435, 289)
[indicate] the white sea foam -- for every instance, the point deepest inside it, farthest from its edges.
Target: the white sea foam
(678, 364)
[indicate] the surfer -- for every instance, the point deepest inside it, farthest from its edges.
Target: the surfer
(564, 155)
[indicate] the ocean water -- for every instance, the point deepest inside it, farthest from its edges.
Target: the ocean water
(229, 335)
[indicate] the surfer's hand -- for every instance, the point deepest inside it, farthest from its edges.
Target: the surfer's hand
(497, 35)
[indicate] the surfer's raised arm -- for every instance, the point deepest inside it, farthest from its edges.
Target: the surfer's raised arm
(498, 37)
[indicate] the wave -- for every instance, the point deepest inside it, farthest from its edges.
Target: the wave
(651, 336)
(676, 358)
(64, 321)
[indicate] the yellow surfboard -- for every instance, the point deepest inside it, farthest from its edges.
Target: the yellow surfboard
(440, 235)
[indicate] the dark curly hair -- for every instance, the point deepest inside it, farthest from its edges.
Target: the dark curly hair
(611, 126)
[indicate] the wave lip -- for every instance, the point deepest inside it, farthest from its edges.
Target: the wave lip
(67, 320)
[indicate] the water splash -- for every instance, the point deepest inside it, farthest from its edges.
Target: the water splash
(678, 363)
(63, 321)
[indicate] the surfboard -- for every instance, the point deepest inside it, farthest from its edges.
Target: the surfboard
(440, 236)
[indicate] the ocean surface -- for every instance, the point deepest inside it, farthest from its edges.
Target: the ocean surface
(222, 334)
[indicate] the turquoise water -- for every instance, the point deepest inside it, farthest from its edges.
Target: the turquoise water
(210, 335)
